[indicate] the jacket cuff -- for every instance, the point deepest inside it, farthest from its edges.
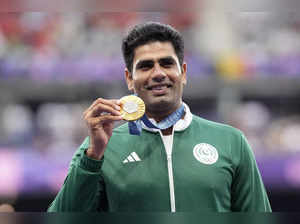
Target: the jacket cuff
(90, 164)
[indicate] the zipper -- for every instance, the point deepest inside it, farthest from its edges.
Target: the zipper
(171, 183)
(170, 172)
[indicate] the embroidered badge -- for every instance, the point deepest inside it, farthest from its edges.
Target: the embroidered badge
(205, 153)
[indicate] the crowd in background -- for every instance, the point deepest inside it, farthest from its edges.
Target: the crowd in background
(82, 46)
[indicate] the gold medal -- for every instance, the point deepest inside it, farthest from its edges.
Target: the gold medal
(132, 107)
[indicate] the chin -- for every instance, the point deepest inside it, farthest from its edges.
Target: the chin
(161, 104)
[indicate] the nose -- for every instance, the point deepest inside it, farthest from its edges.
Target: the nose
(158, 74)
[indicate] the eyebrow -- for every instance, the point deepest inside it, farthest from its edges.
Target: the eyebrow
(168, 60)
(144, 63)
(150, 62)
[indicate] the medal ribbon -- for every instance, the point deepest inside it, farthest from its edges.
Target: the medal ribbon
(135, 127)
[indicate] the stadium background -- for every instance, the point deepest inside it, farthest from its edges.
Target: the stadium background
(243, 69)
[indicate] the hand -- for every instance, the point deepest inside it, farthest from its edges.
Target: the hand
(100, 118)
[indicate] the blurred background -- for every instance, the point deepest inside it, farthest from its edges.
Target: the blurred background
(243, 70)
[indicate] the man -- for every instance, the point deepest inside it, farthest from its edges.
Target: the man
(194, 165)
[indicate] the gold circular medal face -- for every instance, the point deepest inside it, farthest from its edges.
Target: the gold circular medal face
(132, 107)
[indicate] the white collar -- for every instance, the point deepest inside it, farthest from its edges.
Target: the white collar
(180, 125)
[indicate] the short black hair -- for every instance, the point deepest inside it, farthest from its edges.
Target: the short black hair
(151, 32)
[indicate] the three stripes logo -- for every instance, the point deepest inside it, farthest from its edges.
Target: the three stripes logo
(133, 157)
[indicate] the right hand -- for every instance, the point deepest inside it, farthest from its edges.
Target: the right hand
(100, 118)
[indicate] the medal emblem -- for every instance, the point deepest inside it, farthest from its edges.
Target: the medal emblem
(206, 153)
(132, 107)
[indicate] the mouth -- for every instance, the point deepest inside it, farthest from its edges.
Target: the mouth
(158, 87)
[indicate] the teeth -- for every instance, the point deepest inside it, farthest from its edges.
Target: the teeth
(158, 87)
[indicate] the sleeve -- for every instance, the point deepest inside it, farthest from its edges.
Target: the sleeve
(83, 189)
(248, 191)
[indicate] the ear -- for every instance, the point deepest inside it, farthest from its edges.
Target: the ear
(184, 70)
(129, 80)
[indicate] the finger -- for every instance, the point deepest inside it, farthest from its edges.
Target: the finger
(102, 109)
(112, 103)
(104, 119)
(101, 105)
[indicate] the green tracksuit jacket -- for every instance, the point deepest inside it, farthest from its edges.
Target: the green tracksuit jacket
(212, 168)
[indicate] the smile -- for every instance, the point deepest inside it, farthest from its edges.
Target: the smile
(158, 87)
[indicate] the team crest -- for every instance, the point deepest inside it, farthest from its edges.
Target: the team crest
(205, 153)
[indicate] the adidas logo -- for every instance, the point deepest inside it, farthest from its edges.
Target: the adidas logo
(133, 157)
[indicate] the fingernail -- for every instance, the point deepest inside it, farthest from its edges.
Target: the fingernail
(117, 107)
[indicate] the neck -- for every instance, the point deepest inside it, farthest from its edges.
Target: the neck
(167, 131)
(159, 115)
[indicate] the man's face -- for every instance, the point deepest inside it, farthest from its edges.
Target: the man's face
(157, 77)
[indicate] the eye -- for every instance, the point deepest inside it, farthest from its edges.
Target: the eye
(167, 63)
(144, 65)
